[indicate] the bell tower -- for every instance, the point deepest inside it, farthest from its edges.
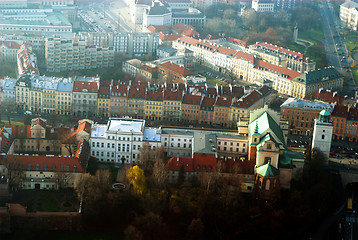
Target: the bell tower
(254, 140)
(322, 133)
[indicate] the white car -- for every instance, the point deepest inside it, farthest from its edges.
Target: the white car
(28, 113)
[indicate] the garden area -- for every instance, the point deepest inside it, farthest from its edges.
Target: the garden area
(64, 200)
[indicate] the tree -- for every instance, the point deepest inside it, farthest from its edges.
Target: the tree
(137, 179)
(104, 180)
(8, 108)
(207, 179)
(160, 173)
(62, 178)
(27, 120)
(15, 172)
(132, 233)
(195, 230)
(181, 176)
(87, 188)
(150, 224)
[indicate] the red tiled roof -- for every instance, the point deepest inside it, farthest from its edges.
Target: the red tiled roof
(237, 41)
(148, 68)
(248, 100)
(82, 150)
(6, 140)
(175, 163)
(137, 91)
(158, 28)
(237, 91)
(119, 89)
(104, 91)
(169, 37)
(223, 102)
(82, 86)
(326, 96)
(345, 112)
(204, 162)
(177, 69)
(237, 166)
(296, 55)
(245, 56)
(173, 95)
(185, 30)
(200, 163)
(10, 44)
(27, 60)
(211, 91)
(191, 99)
(84, 126)
(40, 122)
(208, 102)
(46, 163)
(155, 95)
(266, 66)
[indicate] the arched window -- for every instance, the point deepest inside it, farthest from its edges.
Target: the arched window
(267, 186)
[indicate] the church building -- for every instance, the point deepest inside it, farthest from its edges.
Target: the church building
(267, 141)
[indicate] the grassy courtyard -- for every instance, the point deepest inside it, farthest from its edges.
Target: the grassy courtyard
(64, 200)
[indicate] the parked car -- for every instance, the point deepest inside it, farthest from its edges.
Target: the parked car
(28, 113)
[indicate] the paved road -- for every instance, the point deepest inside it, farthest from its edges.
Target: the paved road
(335, 48)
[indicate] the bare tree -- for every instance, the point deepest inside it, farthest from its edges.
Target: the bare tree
(15, 172)
(160, 173)
(104, 179)
(62, 179)
(8, 108)
(207, 180)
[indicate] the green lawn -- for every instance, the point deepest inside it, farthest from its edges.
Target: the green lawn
(215, 81)
(313, 42)
(351, 44)
(313, 33)
(297, 48)
(355, 74)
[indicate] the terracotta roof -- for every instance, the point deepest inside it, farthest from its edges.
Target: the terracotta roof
(326, 96)
(137, 91)
(148, 68)
(6, 140)
(158, 28)
(284, 72)
(10, 44)
(204, 162)
(248, 100)
(237, 91)
(208, 102)
(173, 95)
(177, 69)
(345, 112)
(245, 56)
(104, 92)
(275, 48)
(212, 91)
(185, 30)
(82, 150)
(82, 86)
(46, 163)
(155, 95)
(175, 163)
(237, 41)
(237, 166)
(119, 90)
(71, 138)
(38, 121)
(223, 102)
(191, 99)
(200, 163)
(27, 60)
(169, 37)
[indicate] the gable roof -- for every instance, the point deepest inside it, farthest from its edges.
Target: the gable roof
(267, 170)
(177, 69)
(266, 124)
(283, 72)
(158, 28)
(155, 95)
(82, 86)
(191, 99)
(326, 96)
(173, 95)
(223, 102)
(248, 100)
(46, 163)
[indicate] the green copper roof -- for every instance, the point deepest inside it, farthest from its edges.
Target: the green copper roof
(266, 138)
(284, 160)
(267, 170)
(256, 133)
(317, 76)
(324, 112)
(267, 124)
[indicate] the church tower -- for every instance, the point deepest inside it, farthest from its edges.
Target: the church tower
(254, 140)
(322, 133)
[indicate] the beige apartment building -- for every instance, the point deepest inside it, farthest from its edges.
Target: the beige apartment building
(349, 14)
(64, 55)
